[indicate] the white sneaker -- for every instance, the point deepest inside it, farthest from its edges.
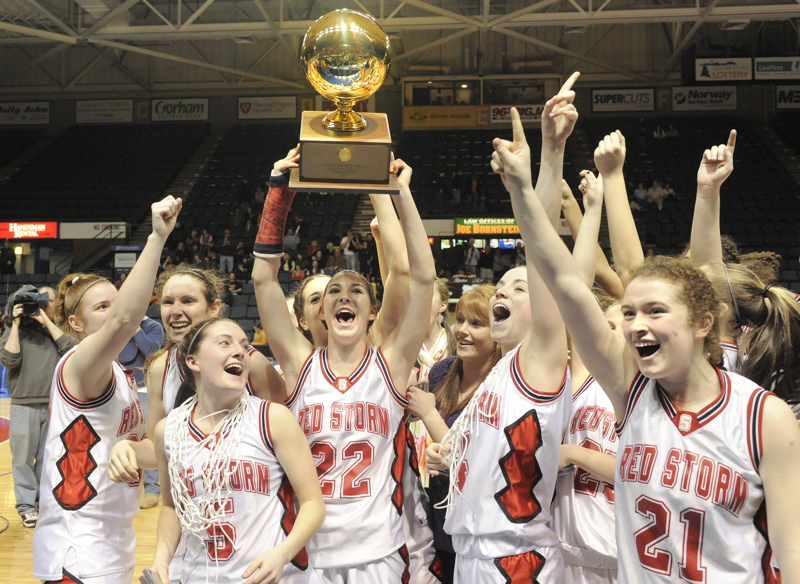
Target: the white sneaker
(30, 518)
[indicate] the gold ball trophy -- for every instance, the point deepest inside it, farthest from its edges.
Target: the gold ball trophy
(346, 57)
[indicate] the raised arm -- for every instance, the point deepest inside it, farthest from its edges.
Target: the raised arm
(584, 253)
(544, 350)
(604, 275)
(402, 346)
(715, 167)
(390, 246)
(287, 343)
(609, 158)
(558, 121)
(88, 371)
(547, 256)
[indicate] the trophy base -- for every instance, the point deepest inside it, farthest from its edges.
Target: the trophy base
(301, 186)
(345, 159)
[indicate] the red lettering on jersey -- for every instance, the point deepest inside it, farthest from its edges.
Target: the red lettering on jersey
(248, 473)
(671, 466)
(187, 477)
(722, 485)
(705, 475)
(310, 419)
(689, 461)
(609, 429)
(360, 416)
(738, 495)
(489, 409)
(637, 463)
(709, 479)
(131, 417)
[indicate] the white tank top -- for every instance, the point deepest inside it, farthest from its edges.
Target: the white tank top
(690, 502)
(79, 506)
(509, 471)
(355, 428)
(260, 510)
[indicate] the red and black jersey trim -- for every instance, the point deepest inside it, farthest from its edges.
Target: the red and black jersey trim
(305, 371)
(705, 415)
(398, 466)
(287, 496)
(536, 396)
(251, 350)
(75, 466)
(755, 416)
(771, 575)
(383, 367)
(74, 402)
(357, 373)
(263, 425)
(584, 386)
(634, 393)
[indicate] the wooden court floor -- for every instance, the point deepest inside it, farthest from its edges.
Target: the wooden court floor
(16, 542)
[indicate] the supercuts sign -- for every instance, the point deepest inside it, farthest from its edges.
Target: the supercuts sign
(42, 230)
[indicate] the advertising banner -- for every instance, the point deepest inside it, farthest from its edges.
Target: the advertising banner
(768, 68)
(264, 108)
(456, 116)
(89, 230)
(623, 100)
(527, 113)
(723, 69)
(29, 230)
(24, 113)
(178, 110)
(701, 98)
(787, 97)
(104, 111)
(485, 226)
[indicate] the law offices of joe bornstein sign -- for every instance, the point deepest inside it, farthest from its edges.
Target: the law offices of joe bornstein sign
(485, 226)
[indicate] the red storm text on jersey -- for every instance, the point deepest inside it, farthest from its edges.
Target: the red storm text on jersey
(259, 511)
(690, 502)
(583, 510)
(355, 428)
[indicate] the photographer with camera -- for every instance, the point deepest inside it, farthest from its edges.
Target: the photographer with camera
(30, 348)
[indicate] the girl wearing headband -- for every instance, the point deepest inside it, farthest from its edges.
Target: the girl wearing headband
(85, 531)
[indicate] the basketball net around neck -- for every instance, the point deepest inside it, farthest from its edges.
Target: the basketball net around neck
(199, 515)
(459, 436)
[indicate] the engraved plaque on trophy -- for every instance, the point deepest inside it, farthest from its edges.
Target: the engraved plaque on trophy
(346, 57)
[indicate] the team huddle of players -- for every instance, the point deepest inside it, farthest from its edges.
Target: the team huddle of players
(642, 447)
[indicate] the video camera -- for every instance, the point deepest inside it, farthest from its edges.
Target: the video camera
(32, 302)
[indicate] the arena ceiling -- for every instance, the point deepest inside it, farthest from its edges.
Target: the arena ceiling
(64, 45)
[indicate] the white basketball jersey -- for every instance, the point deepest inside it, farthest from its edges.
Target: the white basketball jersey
(355, 428)
(510, 464)
(259, 512)
(583, 510)
(79, 506)
(690, 502)
(730, 356)
(172, 380)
